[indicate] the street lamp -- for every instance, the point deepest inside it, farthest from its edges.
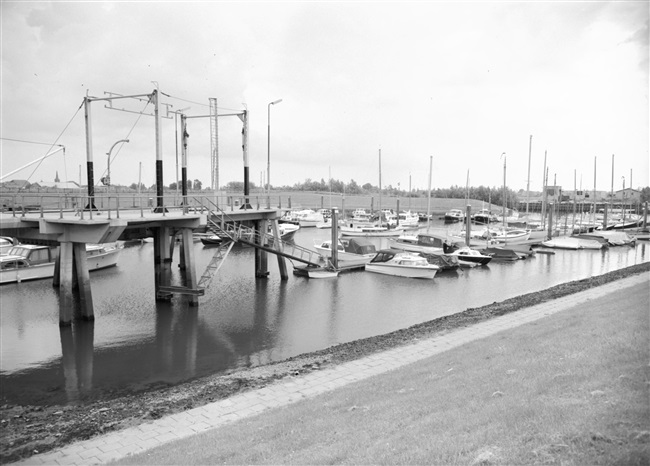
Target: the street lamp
(108, 171)
(268, 147)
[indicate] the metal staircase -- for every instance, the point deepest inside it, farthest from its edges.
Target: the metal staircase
(234, 231)
(215, 263)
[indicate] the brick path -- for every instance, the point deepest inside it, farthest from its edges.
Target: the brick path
(116, 445)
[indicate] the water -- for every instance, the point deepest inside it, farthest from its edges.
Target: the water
(136, 343)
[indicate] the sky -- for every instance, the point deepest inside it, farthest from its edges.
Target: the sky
(458, 86)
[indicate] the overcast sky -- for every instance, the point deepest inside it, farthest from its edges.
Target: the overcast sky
(462, 82)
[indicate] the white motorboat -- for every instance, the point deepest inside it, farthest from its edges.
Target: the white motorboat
(6, 243)
(424, 242)
(499, 236)
(309, 218)
(469, 257)
(350, 252)
(405, 219)
(401, 264)
(31, 262)
(454, 215)
(369, 230)
(287, 230)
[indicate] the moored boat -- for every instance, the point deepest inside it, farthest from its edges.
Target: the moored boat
(467, 255)
(6, 243)
(211, 240)
(31, 262)
(287, 231)
(370, 231)
(309, 218)
(572, 243)
(406, 219)
(484, 216)
(401, 264)
(350, 252)
(454, 215)
(424, 242)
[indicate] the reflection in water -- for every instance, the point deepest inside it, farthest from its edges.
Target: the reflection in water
(135, 342)
(77, 349)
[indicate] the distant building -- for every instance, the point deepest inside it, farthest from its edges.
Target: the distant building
(627, 195)
(59, 184)
(15, 184)
(56, 178)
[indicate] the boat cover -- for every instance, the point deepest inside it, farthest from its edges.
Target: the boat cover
(360, 246)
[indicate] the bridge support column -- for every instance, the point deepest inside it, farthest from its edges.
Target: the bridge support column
(162, 262)
(187, 259)
(66, 296)
(282, 265)
(85, 308)
(72, 277)
(261, 256)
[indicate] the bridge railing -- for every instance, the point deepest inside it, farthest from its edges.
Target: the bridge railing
(111, 204)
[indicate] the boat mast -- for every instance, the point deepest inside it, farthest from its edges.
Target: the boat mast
(594, 202)
(575, 188)
(544, 175)
(504, 190)
(429, 198)
(379, 187)
(530, 145)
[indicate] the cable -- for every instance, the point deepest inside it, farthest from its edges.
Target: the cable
(55, 143)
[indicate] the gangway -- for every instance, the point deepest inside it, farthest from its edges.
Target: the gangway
(236, 231)
(215, 263)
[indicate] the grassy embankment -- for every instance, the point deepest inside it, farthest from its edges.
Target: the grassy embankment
(569, 389)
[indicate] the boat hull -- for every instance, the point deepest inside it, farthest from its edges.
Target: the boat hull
(96, 261)
(402, 271)
(372, 232)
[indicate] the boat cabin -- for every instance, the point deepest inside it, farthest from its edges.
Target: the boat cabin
(34, 254)
(358, 246)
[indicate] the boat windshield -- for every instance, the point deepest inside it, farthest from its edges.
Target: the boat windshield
(18, 251)
(383, 256)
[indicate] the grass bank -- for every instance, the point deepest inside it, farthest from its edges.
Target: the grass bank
(568, 389)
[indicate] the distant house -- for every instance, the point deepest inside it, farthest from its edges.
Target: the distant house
(15, 184)
(627, 195)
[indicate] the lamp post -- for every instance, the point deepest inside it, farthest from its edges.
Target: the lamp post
(268, 151)
(108, 169)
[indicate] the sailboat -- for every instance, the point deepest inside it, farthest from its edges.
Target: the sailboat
(378, 230)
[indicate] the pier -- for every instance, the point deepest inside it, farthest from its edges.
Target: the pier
(71, 231)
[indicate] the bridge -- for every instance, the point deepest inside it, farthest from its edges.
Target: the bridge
(72, 230)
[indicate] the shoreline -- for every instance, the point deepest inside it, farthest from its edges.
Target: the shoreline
(27, 430)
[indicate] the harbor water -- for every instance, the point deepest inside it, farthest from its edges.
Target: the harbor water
(136, 343)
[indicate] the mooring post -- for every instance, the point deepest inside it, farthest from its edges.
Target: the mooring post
(282, 265)
(645, 216)
(550, 221)
(85, 308)
(261, 264)
(605, 215)
(468, 223)
(66, 297)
